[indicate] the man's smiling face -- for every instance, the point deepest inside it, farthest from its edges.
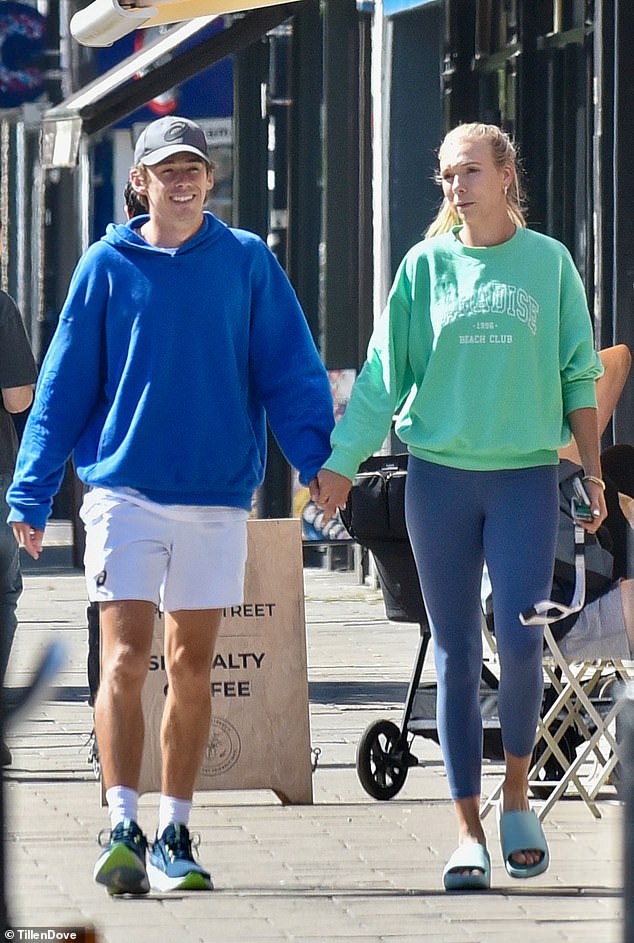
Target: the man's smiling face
(177, 187)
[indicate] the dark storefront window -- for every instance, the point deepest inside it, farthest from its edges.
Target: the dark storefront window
(528, 66)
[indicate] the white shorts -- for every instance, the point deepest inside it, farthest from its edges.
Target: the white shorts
(175, 556)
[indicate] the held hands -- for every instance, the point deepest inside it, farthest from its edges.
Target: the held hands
(28, 537)
(329, 491)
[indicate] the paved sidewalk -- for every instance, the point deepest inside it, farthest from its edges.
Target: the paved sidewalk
(347, 868)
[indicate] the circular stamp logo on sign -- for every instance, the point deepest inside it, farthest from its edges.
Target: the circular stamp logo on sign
(223, 749)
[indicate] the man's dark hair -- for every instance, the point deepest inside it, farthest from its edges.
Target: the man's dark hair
(135, 204)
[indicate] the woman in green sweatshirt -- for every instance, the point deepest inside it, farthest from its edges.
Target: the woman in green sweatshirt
(485, 354)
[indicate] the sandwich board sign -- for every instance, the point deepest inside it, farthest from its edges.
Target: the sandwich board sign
(259, 736)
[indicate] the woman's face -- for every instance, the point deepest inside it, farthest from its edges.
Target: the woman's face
(471, 181)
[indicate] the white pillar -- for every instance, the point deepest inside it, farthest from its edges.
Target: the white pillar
(380, 85)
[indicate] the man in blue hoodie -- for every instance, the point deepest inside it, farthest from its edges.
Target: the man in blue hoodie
(178, 339)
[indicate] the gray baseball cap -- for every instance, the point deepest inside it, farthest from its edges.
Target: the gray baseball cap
(167, 136)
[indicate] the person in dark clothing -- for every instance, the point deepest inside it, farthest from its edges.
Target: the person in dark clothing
(18, 374)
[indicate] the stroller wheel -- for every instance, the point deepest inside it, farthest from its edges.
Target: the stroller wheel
(381, 763)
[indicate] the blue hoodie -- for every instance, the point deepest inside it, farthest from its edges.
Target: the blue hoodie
(163, 369)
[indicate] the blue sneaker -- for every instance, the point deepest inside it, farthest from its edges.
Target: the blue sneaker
(121, 866)
(171, 865)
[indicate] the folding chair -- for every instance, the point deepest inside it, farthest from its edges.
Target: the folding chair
(587, 700)
(577, 746)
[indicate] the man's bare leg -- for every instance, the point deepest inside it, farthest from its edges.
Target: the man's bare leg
(190, 639)
(126, 641)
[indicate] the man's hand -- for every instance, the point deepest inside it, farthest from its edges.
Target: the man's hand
(28, 537)
(329, 491)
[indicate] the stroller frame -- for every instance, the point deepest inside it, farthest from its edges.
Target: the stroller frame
(384, 755)
(374, 516)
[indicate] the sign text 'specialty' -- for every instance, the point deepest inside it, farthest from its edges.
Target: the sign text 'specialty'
(230, 661)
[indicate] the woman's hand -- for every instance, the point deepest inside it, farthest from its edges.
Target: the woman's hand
(597, 504)
(329, 490)
(584, 427)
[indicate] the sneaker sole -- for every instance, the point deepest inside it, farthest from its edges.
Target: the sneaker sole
(192, 881)
(122, 872)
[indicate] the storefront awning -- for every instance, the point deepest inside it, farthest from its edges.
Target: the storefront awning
(134, 81)
(102, 22)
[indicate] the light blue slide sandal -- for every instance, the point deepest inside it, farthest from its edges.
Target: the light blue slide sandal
(470, 856)
(522, 831)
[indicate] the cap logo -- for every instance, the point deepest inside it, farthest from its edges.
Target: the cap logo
(168, 136)
(175, 132)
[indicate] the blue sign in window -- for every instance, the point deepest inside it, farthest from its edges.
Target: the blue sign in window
(401, 6)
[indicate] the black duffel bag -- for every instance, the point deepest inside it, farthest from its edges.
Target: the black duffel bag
(374, 516)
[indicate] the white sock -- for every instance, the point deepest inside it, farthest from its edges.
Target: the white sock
(123, 803)
(172, 810)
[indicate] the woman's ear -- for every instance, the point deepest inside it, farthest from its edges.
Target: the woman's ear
(507, 177)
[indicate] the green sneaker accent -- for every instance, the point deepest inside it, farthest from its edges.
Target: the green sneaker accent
(121, 866)
(171, 865)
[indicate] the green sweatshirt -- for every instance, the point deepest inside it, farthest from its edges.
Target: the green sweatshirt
(481, 353)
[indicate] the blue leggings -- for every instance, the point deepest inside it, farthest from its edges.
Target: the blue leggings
(456, 520)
